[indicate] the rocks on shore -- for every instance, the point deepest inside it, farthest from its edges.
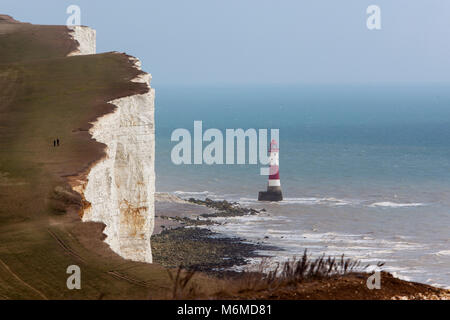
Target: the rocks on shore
(189, 221)
(223, 208)
(200, 249)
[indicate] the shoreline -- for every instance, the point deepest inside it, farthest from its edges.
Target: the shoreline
(182, 237)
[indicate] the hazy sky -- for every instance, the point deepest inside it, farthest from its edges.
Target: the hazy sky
(265, 41)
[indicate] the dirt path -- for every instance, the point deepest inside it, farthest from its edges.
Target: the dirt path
(117, 275)
(22, 281)
(65, 247)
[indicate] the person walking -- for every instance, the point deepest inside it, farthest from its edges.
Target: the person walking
(54, 143)
(57, 142)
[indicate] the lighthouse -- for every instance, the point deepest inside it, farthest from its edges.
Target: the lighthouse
(273, 192)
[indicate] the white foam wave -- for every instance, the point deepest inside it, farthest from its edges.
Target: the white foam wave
(389, 204)
(397, 274)
(443, 253)
(437, 284)
(302, 201)
(328, 201)
(191, 192)
(309, 201)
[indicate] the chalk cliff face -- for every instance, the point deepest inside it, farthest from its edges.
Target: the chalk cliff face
(86, 38)
(120, 188)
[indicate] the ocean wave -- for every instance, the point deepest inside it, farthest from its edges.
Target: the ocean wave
(431, 282)
(288, 243)
(305, 201)
(398, 275)
(328, 201)
(302, 201)
(330, 235)
(389, 204)
(191, 192)
(334, 202)
(246, 219)
(443, 253)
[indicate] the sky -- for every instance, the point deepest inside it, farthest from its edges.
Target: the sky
(259, 42)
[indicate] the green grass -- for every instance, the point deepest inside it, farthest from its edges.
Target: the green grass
(26, 42)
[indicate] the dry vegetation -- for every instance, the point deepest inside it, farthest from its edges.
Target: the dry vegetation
(301, 278)
(266, 281)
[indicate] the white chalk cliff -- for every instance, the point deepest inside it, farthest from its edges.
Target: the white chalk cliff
(121, 187)
(86, 38)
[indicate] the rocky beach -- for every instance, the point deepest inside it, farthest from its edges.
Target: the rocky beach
(182, 239)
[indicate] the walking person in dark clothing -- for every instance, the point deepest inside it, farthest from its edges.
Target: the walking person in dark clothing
(57, 142)
(54, 143)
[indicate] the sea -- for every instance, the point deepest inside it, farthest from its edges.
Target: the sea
(365, 169)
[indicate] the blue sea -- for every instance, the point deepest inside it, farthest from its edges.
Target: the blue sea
(365, 170)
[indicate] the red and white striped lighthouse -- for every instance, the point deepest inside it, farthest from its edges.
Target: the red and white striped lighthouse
(273, 192)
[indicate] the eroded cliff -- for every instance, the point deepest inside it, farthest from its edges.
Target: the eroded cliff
(45, 95)
(120, 188)
(86, 38)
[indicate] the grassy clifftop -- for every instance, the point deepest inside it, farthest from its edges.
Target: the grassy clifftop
(24, 41)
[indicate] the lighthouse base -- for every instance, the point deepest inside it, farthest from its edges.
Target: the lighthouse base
(272, 194)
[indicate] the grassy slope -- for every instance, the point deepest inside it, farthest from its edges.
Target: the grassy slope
(44, 95)
(23, 41)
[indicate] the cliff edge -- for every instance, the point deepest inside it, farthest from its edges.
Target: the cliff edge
(119, 190)
(100, 107)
